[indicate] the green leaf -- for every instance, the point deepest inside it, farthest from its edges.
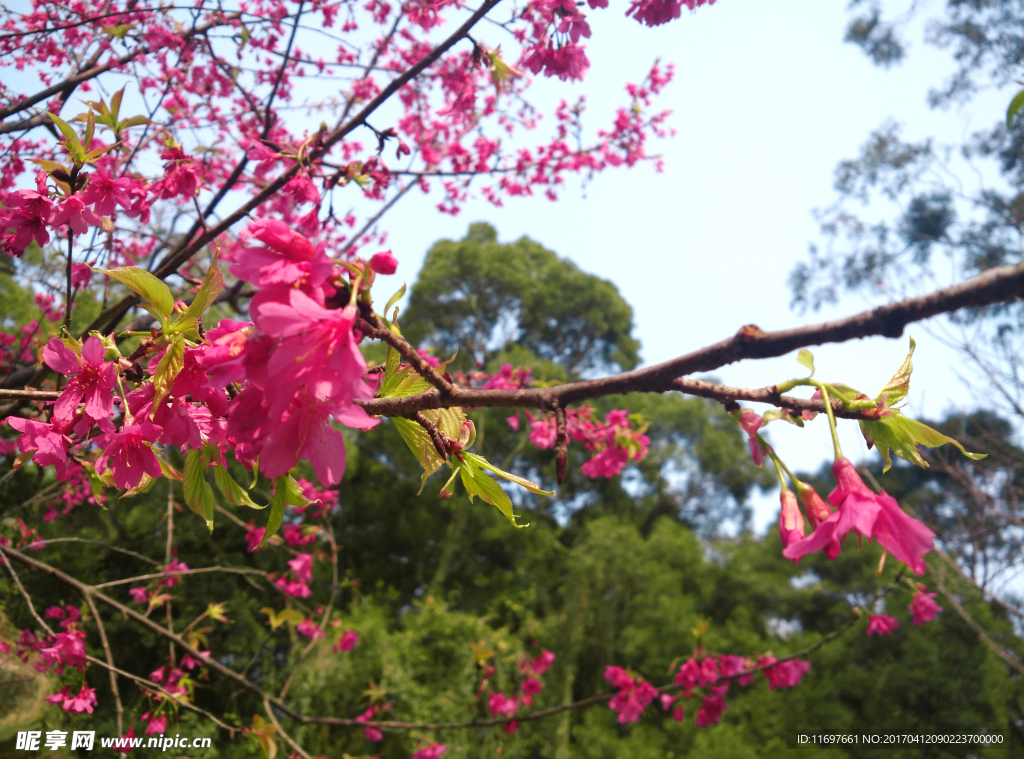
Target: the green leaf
(898, 386)
(115, 102)
(394, 299)
(90, 128)
(479, 484)
(232, 490)
(903, 435)
(278, 618)
(419, 442)
(1015, 105)
(208, 292)
(134, 121)
(170, 365)
(148, 286)
(806, 358)
(286, 491)
(73, 143)
(198, 493)
(533, 487)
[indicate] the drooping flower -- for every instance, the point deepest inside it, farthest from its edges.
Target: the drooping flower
(82, 703)
(751, 423)
(791, 520)
(923, 607)
(817, 510)
(139, 595)
(906, 538)
(712, 707)
(156, 724)
(857, 511)
(881, 624)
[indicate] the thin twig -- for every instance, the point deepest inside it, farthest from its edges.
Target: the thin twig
(110, 660)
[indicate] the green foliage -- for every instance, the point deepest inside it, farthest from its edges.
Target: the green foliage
(478, 296)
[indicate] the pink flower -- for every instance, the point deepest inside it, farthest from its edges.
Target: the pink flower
(542, 663)
(138, 595)
(48, 442)
(513, 421)
(103, 192)
(531, 687)
(373, 734)
(607, 463)
(131, 456)
(93, 380)
(751, 423)
(633, 697)
(156, 725)
(906, 538)
(58, 698)
(384, 263)
(293, 588)
(294, 536)
(72, 211)
(347, 643)
(786, 674)
(712, 708)
(734, 665)
(857, 511)
(82, 703)
(288, 260)
(253, 537)
(173, 566)
(68, 649)
(501, 705)
(791, 520)
(430, 752)
(302, 566)
(923, 607)
(310, 629)
(817, 510)
(881, 625)
(29, 213)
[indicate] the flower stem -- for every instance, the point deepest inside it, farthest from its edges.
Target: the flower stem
(831, 418)
(778, 467)
(68, 296)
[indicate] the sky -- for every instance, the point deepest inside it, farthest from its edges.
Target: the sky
(767, 99)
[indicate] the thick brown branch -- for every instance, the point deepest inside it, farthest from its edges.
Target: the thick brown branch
(1000, 284)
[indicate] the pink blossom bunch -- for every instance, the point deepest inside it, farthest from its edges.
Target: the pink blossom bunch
(81, 703)
(871, 515)
(634, 694)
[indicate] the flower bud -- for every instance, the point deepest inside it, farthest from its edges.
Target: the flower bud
(817, 510)
(384, 263)
(791, 521)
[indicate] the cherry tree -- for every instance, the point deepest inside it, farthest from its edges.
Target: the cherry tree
(164, 165)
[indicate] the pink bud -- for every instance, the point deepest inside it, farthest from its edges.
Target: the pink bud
(384, 263)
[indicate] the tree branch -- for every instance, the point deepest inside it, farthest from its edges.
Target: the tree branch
(1004, 283)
